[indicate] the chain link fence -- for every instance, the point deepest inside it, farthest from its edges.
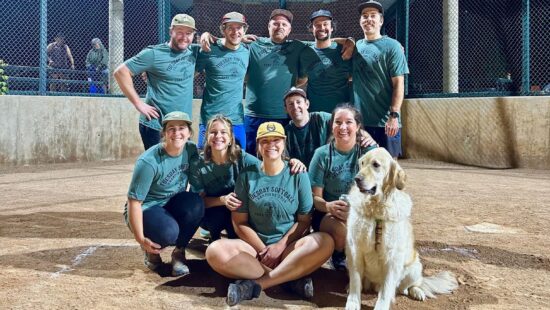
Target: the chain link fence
(454, 47)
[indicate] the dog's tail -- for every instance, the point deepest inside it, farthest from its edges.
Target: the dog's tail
(441, 283)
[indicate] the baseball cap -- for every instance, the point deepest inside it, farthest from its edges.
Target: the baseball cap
(176, 116)
(183, 20)
(270, 129)
(295, 91)
(234, 17)
(371, 4)
(321, 13)
(283, 12)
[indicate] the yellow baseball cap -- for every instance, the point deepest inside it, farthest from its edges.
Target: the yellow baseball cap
(270, 129)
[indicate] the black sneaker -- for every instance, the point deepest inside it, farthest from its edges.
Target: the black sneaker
(302, 287)
(242, 290)
(339, 260)
(179, 268)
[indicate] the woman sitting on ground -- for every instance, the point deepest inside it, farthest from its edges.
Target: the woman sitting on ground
(160, 212)
(215, 176)
(332, 170)
(273, 224)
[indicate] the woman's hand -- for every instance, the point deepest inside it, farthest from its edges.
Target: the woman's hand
(339, 209)
(296, 166)
(271, 255)
(150, 247)
(231, 201)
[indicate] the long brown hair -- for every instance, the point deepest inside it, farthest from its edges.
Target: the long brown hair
(233, 149)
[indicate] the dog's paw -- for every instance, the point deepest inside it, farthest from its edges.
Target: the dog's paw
(417, 293)
(353, 303)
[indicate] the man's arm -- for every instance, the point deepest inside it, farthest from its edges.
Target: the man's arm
(123, 77)
(348, 45)
(398, 94)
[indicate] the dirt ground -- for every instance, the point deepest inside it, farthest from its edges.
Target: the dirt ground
(65, 245)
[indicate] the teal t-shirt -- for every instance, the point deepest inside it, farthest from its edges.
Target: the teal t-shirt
(272, 70)
(301, 143)
(225, 71)
(334, 171)
(169, 79)
(158, 176)
(374, 64)
(216, 180)
(328, 77)
(273, 202)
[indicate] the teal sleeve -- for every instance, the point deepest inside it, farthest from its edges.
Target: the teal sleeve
(398, 63)
(141, 62)
(142, 178)
(317, 170)
(305, 196)
(250, 160)
(241, 190)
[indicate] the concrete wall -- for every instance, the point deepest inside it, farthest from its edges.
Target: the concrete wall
(40, 130)
(506, 132)
(502, 132)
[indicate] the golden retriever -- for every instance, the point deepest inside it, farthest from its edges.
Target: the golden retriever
(380, 242)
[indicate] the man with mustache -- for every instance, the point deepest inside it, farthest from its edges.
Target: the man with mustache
(170, 69)
(379, 66)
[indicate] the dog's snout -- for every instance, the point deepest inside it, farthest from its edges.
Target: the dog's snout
(359, 178)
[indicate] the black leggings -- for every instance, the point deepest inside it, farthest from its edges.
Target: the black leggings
(176, 222)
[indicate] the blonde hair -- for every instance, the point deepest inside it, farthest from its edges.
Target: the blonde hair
(233, 149)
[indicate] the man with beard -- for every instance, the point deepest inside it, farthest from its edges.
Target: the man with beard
(328, 74)
(169, 68)
(225, 67)
(379, 66)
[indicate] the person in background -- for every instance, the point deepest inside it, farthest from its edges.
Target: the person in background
(170, 69)
(160, 211)
(273, 223)
(59, 57)
(97, 65)
(332, 171)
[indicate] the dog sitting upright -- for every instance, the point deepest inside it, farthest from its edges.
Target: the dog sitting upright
(380, 243)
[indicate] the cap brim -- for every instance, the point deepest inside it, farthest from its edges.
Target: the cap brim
(271, 134)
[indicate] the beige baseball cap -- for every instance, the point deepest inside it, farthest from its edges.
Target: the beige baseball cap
(183, 20)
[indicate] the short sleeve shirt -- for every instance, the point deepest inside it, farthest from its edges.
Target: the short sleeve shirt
(333, 170)
(170, 76)
(225, 71)
(216, 180)
(273, 202)
(375, 63)
(302, 142)
(272, 70)
(328, 77)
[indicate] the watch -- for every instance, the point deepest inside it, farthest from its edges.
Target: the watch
(394, 114)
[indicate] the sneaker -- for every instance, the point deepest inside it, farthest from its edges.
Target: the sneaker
(339, 260)
(179, 268)
(204, 233)
(242, 290)
(152, 261)
(302, 287)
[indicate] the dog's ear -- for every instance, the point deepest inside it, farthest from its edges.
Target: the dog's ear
(396, 176)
